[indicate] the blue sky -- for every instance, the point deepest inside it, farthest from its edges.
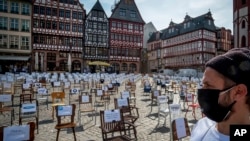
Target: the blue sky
(161, 12)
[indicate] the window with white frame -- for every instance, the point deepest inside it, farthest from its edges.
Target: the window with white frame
(130, 27)
(25, 9)
(3, 6)
(26, 25)
(3, 23)
(14, 24)
(25, 43)
(14, 7)
(14, 42)
(3, 41)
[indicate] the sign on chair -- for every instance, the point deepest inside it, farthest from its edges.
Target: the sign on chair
(180, 128)
(99, 92)
(28, 107)
(26, 86)
(16, 133)
(112, 115)
(85, 98)
(175, 108)
(122, 102)
(189, 97)
(57, 84)
(125, 94)
(6, 85)
(74, 91)
(5, 98)
(156, 93)
(162, 99)
(42, 91)
(65, 110)
(38, 85)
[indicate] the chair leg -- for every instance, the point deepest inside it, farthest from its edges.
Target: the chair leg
(37, 125)
(52, 113)
(58, 131)
(73, 128)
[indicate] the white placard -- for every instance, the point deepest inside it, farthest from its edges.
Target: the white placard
(156, 93)
(114, 81)
(10, 79)
(85, 98)
(38, 85)
(5, 98)
(26, 86)
(112, 115)
(175, 108)
(57, 84)
(110, 85)
(99, 92)
(16, 133)
(6, 85)
(65, 110)
(189, 97)
(74, 91)
(28, 107)
(66, 84)
(162, 99)
(125, 94)
(180, 127)
(122, 102)
(42, 91)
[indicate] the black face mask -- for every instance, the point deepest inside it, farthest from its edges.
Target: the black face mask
(208, 101)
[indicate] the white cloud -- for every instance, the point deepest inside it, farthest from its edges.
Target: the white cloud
(160, 12)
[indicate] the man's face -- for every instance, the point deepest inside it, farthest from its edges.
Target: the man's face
(214, 80)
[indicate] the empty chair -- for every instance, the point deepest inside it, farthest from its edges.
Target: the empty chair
(163, 107)
(177, 125)
(65, 111)
(58, 98)
(4, 100)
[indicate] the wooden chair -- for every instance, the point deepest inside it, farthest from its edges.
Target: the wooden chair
(4, 98)
(8, 88)
(163, 107)
(115, 124)
(31, 134)
(154, 95)
(60, 112)
(182, 123)
(130, 114)
(43, 95)
(28, 108)
(86, 106)
(191, 103)
(57, 99)
(72, 93)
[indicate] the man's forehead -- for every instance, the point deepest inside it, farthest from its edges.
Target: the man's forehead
(212, 77)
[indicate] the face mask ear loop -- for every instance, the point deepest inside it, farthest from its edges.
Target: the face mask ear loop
(229, 107)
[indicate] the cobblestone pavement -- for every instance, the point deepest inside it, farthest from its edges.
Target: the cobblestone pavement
(148, 128)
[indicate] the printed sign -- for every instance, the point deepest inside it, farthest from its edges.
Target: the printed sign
(28, 107)
(180, 128)
(125, 94)
(162, 99)
(5, 98)
(57, 84)
(74, 91)
(189, 97)
(112, 115)
(99, 92)
(26, 86)
(122, 102)
(110, 85)
(66, 84)
(38, 85)
(85, 98)
(175, 108)
(65, 110)
(156, 93)
(42, 91)
(16, 133)
(6, 85)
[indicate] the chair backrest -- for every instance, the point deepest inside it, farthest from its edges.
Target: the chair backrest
(65, 110)
(180, 128)
(26, 97)
(57, 95)
(85, 100)
(125, 94)
(155, 94)
(122, 104)
(31, 127)
(6, 98)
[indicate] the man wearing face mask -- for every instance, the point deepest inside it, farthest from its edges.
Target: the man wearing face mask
(225, 95)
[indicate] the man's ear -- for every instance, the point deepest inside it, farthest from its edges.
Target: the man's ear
(241, 91)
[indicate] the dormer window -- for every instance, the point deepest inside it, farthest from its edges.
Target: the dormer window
(209, 22)
(122, 12)
(185, 25)
(132, 14)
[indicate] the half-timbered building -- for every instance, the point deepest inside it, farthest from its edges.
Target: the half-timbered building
(126, 36)
(96, 36)
(57, 28)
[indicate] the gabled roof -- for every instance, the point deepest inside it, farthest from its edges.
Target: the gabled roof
(129, 7)
(189, 24)
(97, 7)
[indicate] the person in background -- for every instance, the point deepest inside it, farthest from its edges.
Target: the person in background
(225, 95)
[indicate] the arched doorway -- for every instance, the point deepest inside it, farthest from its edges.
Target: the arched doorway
(76, 66)
(124, 67)
(132, 67)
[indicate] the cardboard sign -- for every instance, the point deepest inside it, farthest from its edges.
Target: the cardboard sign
(125, 94)
(122, 102)
(65, 110)
(16, 133)
(5, 98)
(42, 91)
(28, 107)
(85, 98)
(112, 115)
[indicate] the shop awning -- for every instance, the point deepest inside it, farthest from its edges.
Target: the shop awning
(15, 58)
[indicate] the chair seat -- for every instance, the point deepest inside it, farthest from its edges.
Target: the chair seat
(55, 104)
(5, 109)
(164, 110)
(28, 115)
(194, 105)
(119, 138)
(87, 110)
(65, 125)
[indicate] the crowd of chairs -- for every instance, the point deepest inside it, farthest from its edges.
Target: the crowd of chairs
(93, 94)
